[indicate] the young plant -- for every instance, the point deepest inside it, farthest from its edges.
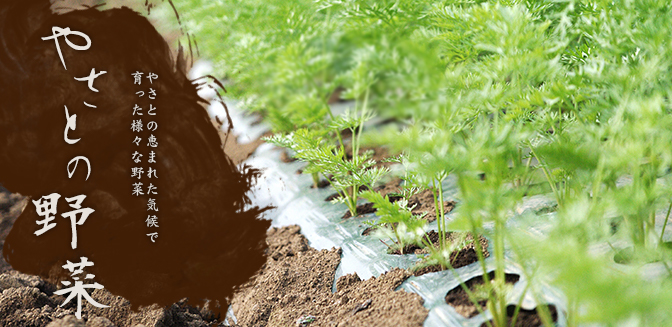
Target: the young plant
(405, 226)
(351, 175)
(502, 95)
(347, 172)
(415, 183)
(489, 199)
(298, 142)
(429, 173)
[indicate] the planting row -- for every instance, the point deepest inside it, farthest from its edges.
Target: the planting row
(509, 100)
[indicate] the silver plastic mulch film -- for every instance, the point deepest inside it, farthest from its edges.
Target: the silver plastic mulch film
(320, 221)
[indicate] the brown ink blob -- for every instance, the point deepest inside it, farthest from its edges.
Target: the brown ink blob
(210, 236)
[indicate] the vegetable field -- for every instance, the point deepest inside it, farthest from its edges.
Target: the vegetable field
(503, 102)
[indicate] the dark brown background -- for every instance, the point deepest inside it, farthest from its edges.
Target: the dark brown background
(208, 242)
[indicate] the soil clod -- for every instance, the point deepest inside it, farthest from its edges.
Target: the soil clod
(527, 318)
(321, 184)
(362, 209)
(460, 258)
(459, 299)
(361, 307)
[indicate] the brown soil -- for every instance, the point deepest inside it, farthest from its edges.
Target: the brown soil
(424, 202)
(258, 119)
(433, 237)
(321, 184)
(379, 153)
(463, 257)
(11, 206)
(237, 152)
(459, 299)
(391, 186)
(527, 318)
(296, 281)
(295, 284)
(285, 157)
(29, 301)
(335, 195)
(336, 96)
(367, 231)
(362, 209)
